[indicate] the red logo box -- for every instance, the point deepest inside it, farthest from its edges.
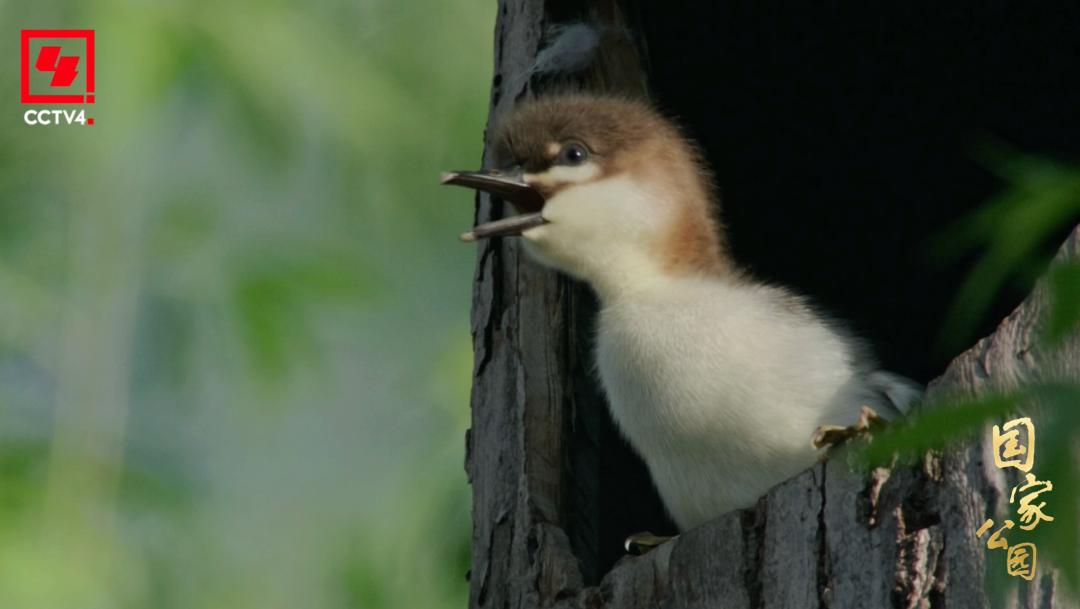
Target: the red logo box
(49, 61)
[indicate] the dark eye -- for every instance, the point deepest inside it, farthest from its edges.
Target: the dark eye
(573, 153)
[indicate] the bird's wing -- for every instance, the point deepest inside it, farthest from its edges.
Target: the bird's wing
(898, 393)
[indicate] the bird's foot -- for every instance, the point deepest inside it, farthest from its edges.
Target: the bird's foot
(834, 435)
(643, 542)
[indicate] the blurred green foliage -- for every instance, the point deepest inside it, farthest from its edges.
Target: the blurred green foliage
(234, 348)
(1014, 235)
(1011, 232)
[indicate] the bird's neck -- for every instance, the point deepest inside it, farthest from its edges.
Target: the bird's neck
(692, 251)
(634, 273)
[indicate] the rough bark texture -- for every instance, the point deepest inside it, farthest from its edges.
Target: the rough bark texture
(532, 454)
(514, 451)
(834, 536)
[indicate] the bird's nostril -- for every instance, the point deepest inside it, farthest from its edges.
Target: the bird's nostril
(496, 172)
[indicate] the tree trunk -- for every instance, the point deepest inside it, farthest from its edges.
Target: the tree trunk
(827, 538)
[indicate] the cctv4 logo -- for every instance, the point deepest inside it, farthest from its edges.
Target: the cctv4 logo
(55, 56)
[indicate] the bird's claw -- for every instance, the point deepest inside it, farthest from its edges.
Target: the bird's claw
(833, 435)
(641, 543)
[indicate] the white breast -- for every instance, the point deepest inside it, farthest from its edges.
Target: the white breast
(720, 386)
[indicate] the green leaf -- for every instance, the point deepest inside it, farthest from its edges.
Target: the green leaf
(1064, 282)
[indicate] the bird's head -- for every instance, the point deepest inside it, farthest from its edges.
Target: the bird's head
(607, 189)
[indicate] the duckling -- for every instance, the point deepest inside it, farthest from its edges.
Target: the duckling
(725, 385)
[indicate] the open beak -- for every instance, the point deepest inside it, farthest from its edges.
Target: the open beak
(509, 186)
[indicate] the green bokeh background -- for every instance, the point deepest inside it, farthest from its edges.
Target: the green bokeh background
(234, 342)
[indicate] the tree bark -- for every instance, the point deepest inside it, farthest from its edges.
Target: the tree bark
(834, 536)
(532, 454)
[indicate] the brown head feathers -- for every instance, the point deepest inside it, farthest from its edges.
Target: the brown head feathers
(625, 136)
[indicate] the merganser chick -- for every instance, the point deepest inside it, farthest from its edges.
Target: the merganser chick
(717, 380)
